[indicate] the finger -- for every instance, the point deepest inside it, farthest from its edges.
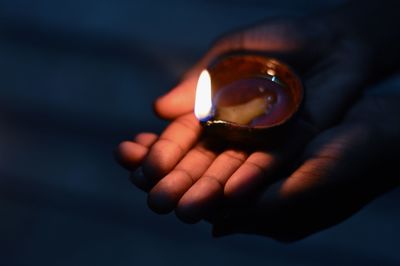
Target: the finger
(251, 174)
(180, 100)
(137, 177)
(261, 166)
(204, 195)
(146, 139)
(131, 154)
(171, 147)
(164, 197)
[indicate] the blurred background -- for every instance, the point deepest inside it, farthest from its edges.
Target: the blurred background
(79, 76)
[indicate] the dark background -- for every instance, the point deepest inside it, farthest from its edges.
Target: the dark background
(79, 76)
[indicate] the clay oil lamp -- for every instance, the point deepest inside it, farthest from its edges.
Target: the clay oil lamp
(247, 98)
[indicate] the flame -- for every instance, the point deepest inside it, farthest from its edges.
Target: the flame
(203, 102)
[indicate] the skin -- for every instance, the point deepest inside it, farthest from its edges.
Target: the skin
(339, 157)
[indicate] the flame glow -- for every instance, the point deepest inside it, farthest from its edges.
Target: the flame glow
(203, 102)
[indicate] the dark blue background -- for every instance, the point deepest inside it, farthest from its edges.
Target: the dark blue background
(79, 76)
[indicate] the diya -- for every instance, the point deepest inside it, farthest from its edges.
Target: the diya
(247, 98)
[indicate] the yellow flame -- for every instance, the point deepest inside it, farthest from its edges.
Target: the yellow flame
(203, 102)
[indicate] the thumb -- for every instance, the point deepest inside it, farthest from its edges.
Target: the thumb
(180, 100)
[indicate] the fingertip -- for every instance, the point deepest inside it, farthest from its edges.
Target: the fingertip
(161, 110)
(173, 105)
(130, 154)
(178, 101)
(160, 201)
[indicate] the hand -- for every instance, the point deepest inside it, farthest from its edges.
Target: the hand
(180, 169)
(341, 170)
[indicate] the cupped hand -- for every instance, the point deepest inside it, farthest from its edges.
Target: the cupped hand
(193, 176)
